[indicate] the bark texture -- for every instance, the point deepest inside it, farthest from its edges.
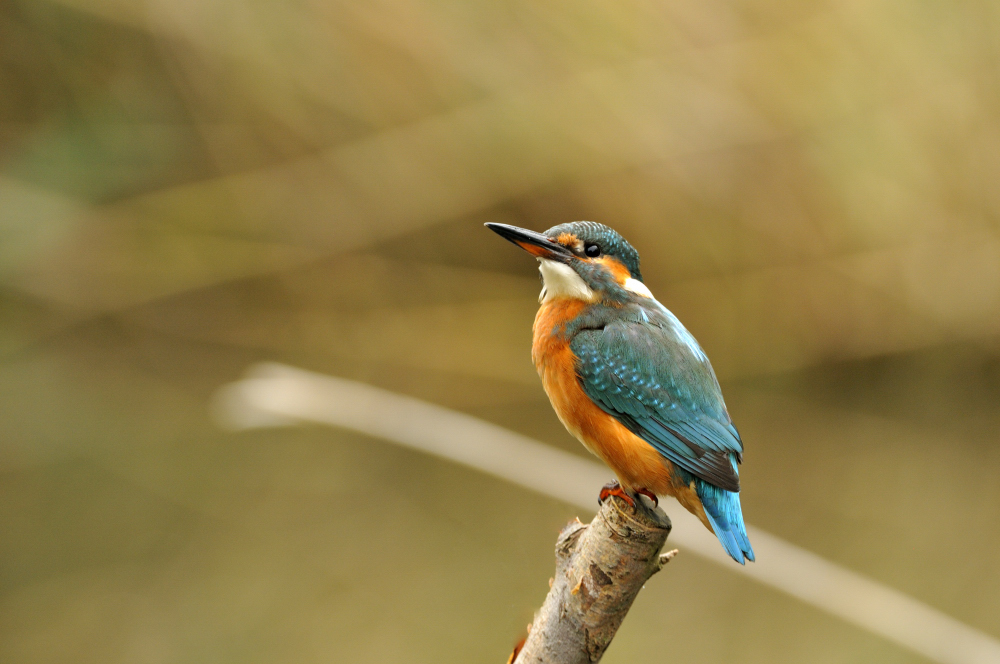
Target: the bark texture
(600, 568)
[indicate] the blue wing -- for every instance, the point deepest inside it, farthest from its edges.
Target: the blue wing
(649, 373)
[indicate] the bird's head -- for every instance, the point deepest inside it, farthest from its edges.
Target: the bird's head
(581, 260)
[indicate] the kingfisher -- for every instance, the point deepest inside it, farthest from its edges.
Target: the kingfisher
(628, 380)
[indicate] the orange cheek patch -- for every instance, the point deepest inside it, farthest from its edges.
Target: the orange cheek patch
(615, 267)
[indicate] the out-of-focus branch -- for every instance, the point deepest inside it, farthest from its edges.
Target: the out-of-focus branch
(600, 568)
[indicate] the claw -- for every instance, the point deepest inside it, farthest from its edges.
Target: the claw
(614, 489)
(649, 494)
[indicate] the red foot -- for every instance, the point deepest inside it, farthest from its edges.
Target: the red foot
(649, 494)
(614, 489)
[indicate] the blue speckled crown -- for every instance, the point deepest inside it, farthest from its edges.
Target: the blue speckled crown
(608, 239)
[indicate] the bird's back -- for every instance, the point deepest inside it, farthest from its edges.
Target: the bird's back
(633, 386)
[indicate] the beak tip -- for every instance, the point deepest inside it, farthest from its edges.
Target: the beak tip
(506, 231)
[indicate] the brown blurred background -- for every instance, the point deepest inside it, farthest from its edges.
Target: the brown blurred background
(187, 188)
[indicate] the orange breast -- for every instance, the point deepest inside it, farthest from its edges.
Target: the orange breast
(636, 463)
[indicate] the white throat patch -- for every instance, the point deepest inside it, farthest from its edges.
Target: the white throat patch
(562, 281)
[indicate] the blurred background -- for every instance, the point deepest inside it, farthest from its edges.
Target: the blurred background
(187, 188)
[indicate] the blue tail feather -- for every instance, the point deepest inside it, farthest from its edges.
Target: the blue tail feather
(726, 516)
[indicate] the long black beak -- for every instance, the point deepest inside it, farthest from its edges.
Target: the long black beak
(534, 243)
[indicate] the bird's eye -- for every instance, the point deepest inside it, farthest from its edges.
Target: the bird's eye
(592, 250)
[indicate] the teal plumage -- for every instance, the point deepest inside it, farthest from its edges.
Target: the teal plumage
(726, 516)
(658, 383)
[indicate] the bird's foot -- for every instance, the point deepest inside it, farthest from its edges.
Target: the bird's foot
(649, 494)
(613, 488)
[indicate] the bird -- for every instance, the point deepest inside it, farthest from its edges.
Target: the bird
(629, 381)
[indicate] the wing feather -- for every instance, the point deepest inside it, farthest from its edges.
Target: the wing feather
(661, 387)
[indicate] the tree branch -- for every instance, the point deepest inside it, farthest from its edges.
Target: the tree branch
(600, 568)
